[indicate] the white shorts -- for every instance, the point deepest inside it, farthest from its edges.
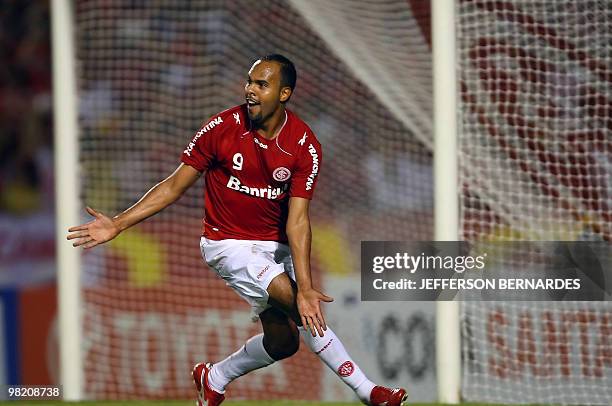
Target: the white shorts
(248, 267)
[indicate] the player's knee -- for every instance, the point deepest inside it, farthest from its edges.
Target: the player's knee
(283, 347)
(286, 350)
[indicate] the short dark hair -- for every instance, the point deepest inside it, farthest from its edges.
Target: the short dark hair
(287, 69)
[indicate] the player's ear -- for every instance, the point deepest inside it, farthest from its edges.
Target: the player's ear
(285, 94)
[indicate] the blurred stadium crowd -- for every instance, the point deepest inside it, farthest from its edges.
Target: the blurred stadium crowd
(27, 222)
(26, 143)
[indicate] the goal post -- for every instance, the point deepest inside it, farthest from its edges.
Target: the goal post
(446, 198)
(65, 114)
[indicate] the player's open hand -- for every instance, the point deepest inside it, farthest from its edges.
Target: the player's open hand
(309, 306)
(100, 230)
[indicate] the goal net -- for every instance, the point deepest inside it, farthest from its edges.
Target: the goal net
(534, 149)
(536, 164)
(150, 72)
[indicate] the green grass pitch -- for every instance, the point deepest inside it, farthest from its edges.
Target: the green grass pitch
(191, 403)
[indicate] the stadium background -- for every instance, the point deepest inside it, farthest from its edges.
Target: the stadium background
(151, 72)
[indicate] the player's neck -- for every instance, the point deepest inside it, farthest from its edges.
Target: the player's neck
(272, 126)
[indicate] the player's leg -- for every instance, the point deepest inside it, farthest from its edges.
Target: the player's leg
(282, 291)
(247, 268)
(280, 340)
(259, 273)
(281, 337)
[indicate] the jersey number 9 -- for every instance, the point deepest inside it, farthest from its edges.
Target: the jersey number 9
(238, 160)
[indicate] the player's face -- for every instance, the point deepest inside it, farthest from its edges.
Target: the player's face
(263, 91)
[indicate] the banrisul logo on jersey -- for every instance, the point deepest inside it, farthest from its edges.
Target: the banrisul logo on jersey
(211, 124)
(265, 192)
(281, 174)
(315, 166)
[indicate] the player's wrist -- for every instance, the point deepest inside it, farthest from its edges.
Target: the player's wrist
(302, 289)
(119, 223)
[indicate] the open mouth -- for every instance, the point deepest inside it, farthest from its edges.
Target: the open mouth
(252, 103)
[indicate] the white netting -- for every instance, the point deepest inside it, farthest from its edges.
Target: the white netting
(149, 73)
(536, 164)
(527, 352)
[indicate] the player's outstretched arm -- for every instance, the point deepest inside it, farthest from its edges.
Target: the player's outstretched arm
(300, 238)
(102, 228)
